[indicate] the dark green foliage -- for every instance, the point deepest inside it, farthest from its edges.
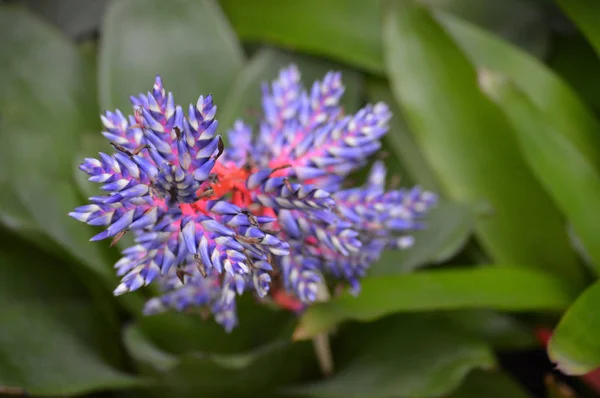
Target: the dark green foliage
(494, 108)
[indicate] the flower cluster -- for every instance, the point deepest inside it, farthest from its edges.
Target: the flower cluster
(268, 212)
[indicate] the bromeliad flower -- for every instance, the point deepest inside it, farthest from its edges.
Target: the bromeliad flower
(212, 222)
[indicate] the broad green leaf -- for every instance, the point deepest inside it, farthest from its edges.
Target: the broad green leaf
(198, 373)
(492, 384)
(575, 346)
(492, 287)
(585, 14)
(53, 340)
(546, 90)
(143, 350)
(76, 18)
(566, 172)
(13, 214)
(32, 279)
(183, 333)
(40, 351)
(189, 43)
(351, 28)
(574, 59)
(402, 356)
(520, 22)
(578, 246)
(401, 141)
(448, 227)
(346, 30)
(502, 331)
(470, 145)
(244, 99)
(180, 335)
(44, 113)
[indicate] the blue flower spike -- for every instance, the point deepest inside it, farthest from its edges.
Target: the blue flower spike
(267, 214)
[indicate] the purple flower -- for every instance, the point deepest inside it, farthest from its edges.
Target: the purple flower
(212, 222)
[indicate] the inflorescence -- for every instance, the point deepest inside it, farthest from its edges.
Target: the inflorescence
(269, 212)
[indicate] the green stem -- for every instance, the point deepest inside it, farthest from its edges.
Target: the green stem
(321, 341)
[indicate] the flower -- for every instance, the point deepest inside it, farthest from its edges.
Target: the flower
(212, 222)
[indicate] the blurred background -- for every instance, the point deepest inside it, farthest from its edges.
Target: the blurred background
(495, 108)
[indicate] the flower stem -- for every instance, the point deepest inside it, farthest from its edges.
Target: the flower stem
(321, 341)
(323, 351)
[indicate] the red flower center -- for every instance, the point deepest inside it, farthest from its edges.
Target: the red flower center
(231, 179)
(226, 179)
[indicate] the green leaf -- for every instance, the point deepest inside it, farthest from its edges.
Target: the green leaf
(264, 67)
(493, 384)
(585, 14)
(345, 30)
(212, 375)
(143, 350)
(502, 288)
(520, 22)
(448, 227)
(76, 18)
(401, 140)
(44, 112)
(13, 214)
(574, 59)
(189, 43)
(502, 331)
(403, 356)
(559, 102)
(352, 27)
(183, 333)
(470, 145)
(41, 353)
(574, 346)
(568, 175)
(53, 340)
(578, 246)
